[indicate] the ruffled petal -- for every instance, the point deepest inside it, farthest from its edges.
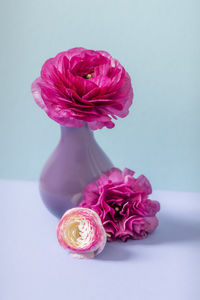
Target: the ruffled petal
(122, 203)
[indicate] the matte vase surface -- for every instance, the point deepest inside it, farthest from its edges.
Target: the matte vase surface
(76, 161)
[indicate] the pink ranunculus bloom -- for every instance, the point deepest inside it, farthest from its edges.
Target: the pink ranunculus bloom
(83, 85)
(122, 202)
(80, 230)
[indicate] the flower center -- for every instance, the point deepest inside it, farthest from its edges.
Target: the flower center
(78, 232)
(117, 208)
(88, 76)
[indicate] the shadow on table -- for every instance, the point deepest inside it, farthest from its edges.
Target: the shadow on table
(174, 230)
(116, 251)
(171, 230)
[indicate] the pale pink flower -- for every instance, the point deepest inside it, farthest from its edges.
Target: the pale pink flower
(80, 230)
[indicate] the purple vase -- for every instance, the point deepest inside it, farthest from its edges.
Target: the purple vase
(76, 161)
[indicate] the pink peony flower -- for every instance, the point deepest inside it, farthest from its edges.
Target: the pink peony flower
(122, 203)
(80, 230)
(83, 85)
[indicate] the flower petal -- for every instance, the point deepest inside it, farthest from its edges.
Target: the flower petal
(80, 230)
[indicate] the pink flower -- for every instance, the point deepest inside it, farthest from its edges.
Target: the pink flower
(122, 203)
(80, 230)
(83, 85)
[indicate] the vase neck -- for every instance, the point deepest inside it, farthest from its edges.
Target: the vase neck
(77, 132)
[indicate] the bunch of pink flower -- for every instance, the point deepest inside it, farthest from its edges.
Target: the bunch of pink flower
(81, 85)
(116, 206)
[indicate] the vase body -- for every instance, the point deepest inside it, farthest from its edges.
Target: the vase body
(76, 161)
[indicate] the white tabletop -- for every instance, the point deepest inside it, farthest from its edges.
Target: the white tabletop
(33, 266)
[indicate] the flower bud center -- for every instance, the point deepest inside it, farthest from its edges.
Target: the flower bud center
(78, 232)
(88, 76)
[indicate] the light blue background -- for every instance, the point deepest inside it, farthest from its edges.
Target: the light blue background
(157, 42)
